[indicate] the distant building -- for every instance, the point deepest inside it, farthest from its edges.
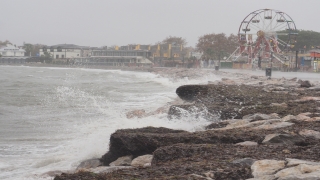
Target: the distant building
(127, 56)
(195, 54)
(63, 51)
(11, 51)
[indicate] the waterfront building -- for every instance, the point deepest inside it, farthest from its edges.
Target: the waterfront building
(65, 51)
(127, 56)
(11, 51)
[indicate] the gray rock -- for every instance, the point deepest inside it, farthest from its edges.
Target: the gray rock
(273, 125)
(257, 116)
(141, 160)
(307, 176)
(266, 177)
(107, 169)
(90, 163)
(310, 133)
(302, 171)
(294, 162)
(315, 88)
(209, 174)
(279, 105)
(122, 161)
(266, 167)
(283, 139)
(306, 84)
(247, 143)
(289, 118)
(244, 161)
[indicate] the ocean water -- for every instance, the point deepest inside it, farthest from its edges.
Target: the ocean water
(53, 118)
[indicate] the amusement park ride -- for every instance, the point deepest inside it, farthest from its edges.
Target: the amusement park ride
(265, 34)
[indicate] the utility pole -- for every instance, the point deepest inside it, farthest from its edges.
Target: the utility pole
(297, 60)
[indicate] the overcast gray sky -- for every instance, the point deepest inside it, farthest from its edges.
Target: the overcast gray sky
(122, 22)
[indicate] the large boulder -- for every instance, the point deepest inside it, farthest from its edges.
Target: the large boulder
(122, 161)
(137, 142)
(90, 163)
(266, 167)
(142, 161)
(191, 92)
(286, 139)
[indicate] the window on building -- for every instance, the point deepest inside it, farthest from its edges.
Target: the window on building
(51, 50)
(62, 56)
(77, 54)
(59, 49)
(57, 56)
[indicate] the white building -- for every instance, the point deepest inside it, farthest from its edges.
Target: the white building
(62, 51)
(11, 51)
(196, 54)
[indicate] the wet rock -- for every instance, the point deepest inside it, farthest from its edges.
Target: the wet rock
(107, 169)
(90, 163)
(302, 171)
(302, 117)
(244, 161)
(257, 116)
(247, 143)
(266, 177)
(191, 92)
(137, 142)
(294, 162)
(308, 98)
(289, 118)
(53, 173)
(262, 124)
(314, 119)
(266, 167)
(122, 161)
(283, 139)
(315, 88)
(279, 105)
(310, 133)
(293, 79)
(197, 176)
(209, 174)
(306, 84)
(254, 77)
(279, 89)
(220, 124)
(141, 160)
(147, 165)
(136, 113)
(273, 125)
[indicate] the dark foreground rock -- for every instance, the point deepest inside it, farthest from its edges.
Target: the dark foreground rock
(181, 154)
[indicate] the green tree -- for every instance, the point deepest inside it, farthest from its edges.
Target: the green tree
(32, 49)
(305, 39)
(3, 43)
(174, 40)
(215, 46)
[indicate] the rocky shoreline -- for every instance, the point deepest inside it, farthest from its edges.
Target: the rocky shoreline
(267, 129)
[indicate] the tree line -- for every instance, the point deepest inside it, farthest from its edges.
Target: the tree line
(212, 46)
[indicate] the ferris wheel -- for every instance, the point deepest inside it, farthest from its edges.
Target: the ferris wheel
(265, 33)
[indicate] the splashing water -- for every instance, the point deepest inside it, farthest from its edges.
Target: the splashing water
(54, 118)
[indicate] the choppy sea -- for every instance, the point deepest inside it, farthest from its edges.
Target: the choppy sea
(54, 118)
